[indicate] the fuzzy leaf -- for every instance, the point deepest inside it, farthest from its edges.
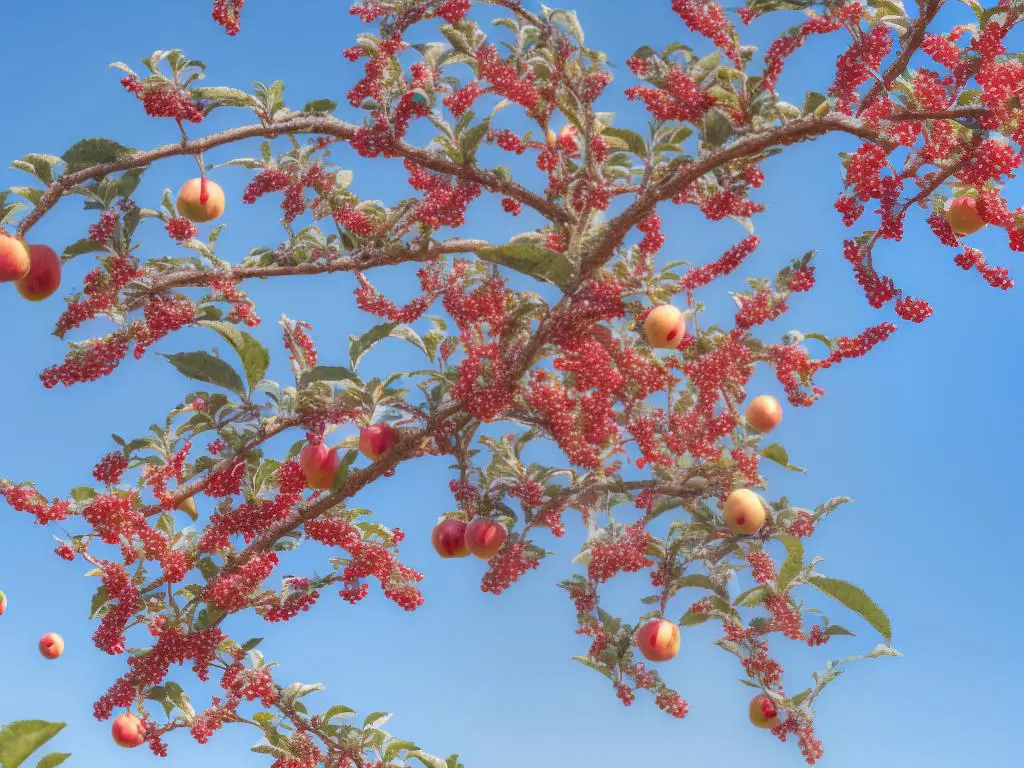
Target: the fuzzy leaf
(202, 366)
(254, 356)
(21, 738)
(326, 373)
(775, 452)
(89, 152)
(533, 260)
(857, 600)
(53, 759)
(794, 560)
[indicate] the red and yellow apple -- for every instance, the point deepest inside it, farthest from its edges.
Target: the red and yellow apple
(51, 645)
(449, 538)
(658, 640)
(3, 603)
(764, 413)
(744, 512)
(14, 259)
(43, 278)
(127, 730)
(665, 327)
(201, 200)
(763, 712)
(319, 464)
(376, 440)
(485, 537)
(962, 215)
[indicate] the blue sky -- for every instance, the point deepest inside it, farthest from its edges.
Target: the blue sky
(923, 434)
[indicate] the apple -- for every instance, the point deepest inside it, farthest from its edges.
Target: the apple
(658, 640)
(201, 200)
(962, 215)
(43, 278)
(764, 413)
(320, 464)
(763, 712)
(14, 259)
(376, 440)
(3, 603)
(449, 538)
(744, 512)
(51, 645)
(665, 326)
(127, 730)
(484, 537)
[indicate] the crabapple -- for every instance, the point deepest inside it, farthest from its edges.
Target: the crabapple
(665, 326)
(127, 730)
(962, 215)
(14, 259)
(763, 712)
(484, 537)
(449, 538)
(658, 640)
(744, 512)
(320, 464)
(376, 440)
(3, 603)
(201, 200)
(51, 645)
(764, 413)
(43, 278)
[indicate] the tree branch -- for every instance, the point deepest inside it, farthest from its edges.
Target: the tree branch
(306, 124)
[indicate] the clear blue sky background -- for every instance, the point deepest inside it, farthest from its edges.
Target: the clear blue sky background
(924, 434)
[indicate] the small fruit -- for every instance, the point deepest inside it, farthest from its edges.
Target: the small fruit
(188, 506)
(764, 413)
(744, 512)
(764, 713)
(3, 603)
(51, 645)
(320, 464)
(485, 537)
(449, 538)
(658, 640)
(962, 215)
(665, 326)
(201, 200)
(127, 730)
(14, 259)
(376, 440)
(552, 139)
(43, 278)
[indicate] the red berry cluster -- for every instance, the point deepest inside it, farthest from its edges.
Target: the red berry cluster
(226, 13)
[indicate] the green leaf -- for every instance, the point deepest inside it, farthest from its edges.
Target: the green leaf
(634, 141)
(53, 759)
(836, 629)
(693, 619)
(533, 260)
(20, 739)
(254, 356)
(360, 345)
(90, 152)
(326, 373)
(223, 97)
(794, 560)
(99, 599)
(202, 366)
(376, 719)
(429, 760)
(717, 128)
(857, 600)
(812, 101)
(337, 711)
(753, 596)
(470, 140)
(775, 452)
(320, 105)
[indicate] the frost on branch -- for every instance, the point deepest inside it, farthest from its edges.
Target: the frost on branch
(580, 333)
